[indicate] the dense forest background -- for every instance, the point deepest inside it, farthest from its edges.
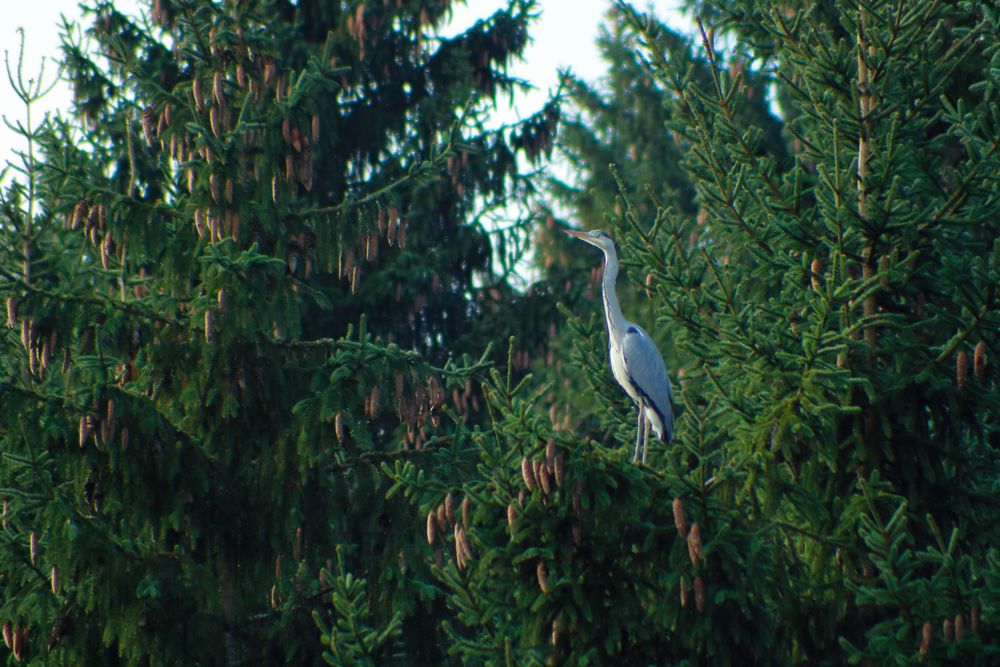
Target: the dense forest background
(276, 388)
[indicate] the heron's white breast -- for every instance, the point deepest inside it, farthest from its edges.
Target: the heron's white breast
(621, 375)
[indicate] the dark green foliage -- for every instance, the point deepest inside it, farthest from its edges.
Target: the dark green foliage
(246, 284)
(254, 411)
(824, 274)
(351, 641)
(579, 561)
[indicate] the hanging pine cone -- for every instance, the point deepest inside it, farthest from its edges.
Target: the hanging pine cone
(543, 477)
(401, 234)
(679, 519)
(86, 428)
(463, 552)
(79, 214)
(463, 541)
(542, 573)
(19, 643)
(213, 187)
(199, 96)
(978, 361)
(338, 426)
(33, 547)
(217, 88)
(431, 528)
(147, 125)
(199, 222)
(106, 251)
(528, 474)
(449, 508)
(694, 544)
(925, 638)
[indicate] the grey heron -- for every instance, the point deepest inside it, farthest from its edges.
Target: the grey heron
(635, 362)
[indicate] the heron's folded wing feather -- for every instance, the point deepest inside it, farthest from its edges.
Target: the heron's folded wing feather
(645, 368)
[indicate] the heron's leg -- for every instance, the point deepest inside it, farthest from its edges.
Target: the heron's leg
(638, 429)
(645, 436)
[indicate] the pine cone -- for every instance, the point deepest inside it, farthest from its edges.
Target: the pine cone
(449, 508)
(694, 543)
(199, 96)
(679, 520)
(542, 573)
(925, 638)
(147, 125)
(33, 547)
(528, 474)
(431, 528)
(962, 369)
(979, 362)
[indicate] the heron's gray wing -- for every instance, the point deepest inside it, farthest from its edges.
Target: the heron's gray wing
(645, 368)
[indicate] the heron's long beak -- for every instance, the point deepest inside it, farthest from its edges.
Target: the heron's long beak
(583, 237)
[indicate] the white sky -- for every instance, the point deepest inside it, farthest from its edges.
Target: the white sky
(563, 36)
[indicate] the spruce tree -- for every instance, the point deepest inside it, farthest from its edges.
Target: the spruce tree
(243, 273)
(836, 315)
(617, 119)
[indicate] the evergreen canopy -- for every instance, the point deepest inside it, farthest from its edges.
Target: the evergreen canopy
(270, 397)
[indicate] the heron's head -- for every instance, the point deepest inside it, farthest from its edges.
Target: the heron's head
(596, 237)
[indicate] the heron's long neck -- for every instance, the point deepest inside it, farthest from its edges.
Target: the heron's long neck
(616, 321)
